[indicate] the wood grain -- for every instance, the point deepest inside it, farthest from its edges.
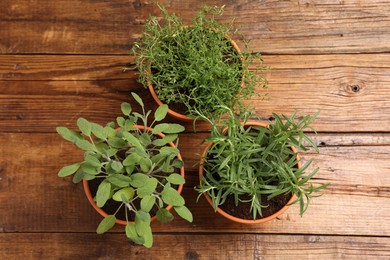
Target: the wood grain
(351, 94)
(189, 247)
(57, 205)
(288, 27)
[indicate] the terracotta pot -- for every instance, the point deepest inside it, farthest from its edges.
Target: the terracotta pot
(236, 219)
(87, 190)
(176, 114)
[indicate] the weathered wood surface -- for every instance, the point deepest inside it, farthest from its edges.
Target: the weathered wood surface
(60, 60)
(351, 91)
(353, 200)
(289, 27)
(188, 247)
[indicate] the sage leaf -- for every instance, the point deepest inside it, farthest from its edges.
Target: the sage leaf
(142, 222)
(172, 197)
(85, 145)
(148, 237)
(138, 180)
(164, 215)
(116, 166)
(116, 142)
(98, 131)
(68, 134)
(126, 108)
(184, 212)
(68, 170)
(132, 234)
(131, 139)
(128, 194)
(147, 203)
(148, 188)
(92, 160)
(138, 99)
(161, 112)
(106, 224)
(119, 180)
(103, 193)
(175, 178)
(167, 139)
(84, 126)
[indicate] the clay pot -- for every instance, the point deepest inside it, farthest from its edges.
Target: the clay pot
(176, 114)
(240, 220)
(89, 195)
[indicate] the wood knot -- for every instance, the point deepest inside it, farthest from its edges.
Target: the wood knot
(355, 88)
(191, 255)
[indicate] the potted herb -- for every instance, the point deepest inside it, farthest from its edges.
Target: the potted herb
(250, 171)
(195, 68)
(135, 171)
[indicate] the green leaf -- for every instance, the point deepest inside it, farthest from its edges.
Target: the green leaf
(164, 215)
(120, 121)
(172, 197)
(175, 178)
(103, 193)
(106, 224)
(145, 164)
(68, 170)
(119, 180)
(138, 180)
(132, 159)
(178, 163)
(165, 140)
(68, 135)
(110, 152)
(98, 131)
(110, 132)
(138, 99)
(85, 145)
(127, 192)
(184, 212)
(161, 112)
(116, 166)
(160, 128)
(168, 128)
(169, 150)
(132, 140)
(92, 160)
(126, 108)
(148, 237)
(90, 169)
(84, 126)
(132, 234)
(116, 142)
(147, 203)
(78, 176)
(148, 188)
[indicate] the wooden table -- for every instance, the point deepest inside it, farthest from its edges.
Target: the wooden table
(60, 60)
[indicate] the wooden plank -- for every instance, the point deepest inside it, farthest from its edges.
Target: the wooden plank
(356, 203)
(343, 87)
(186, 246)
(288, 27)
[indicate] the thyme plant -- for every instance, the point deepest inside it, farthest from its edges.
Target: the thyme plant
(254, 160)
(195, 66)
(136, 165)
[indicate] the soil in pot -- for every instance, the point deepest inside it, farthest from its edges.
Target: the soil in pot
(242, 210)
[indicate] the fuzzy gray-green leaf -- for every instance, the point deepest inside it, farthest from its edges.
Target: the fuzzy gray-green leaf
(68, 170)
(103, 193)
(106, 224)
(184, 212)
(84, 126)
(161, 112)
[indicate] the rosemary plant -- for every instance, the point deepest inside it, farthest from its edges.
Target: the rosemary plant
(136, 165)
(195, 66)
(248, 161)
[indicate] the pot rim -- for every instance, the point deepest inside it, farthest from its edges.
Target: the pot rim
(234, 218)
(89, 196)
